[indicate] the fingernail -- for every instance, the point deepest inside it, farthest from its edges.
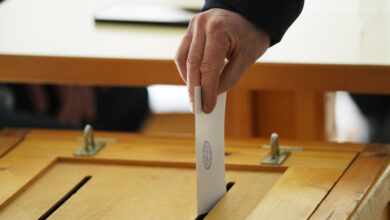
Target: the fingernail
(192, 107)
(206, 108)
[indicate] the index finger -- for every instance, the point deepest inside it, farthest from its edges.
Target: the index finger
(216, 48)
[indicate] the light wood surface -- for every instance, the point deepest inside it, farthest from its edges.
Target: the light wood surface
(376, 202)
(303, 186)
(125, 191)
(141, 72)
(308, 179)
(293, 115)
(41, 149)
(169, 123)
(7, 143)
(349, 198)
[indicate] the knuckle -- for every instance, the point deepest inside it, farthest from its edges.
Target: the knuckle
(208, 68)
(193, 61)
(215, 24)
(199, 20)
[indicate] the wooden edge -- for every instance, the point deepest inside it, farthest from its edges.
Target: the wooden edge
(14, 132)
(28, 183)
(133, 72)
(297, 193)
(8, 143)
(376, 200)
(348, 195)
(191, 165)
(9, 138)
(231, 142)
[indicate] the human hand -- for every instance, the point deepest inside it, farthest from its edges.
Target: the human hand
(211, 37)
(77, 103)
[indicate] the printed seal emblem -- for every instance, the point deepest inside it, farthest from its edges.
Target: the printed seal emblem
(207, 155)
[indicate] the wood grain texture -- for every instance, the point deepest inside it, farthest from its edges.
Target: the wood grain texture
(170, 138)
(7, 143)
(156, 149)
(372, 79)
(239, 114)
(127, 191)
(304, 119)
(41, 148)
(18, 172)
(179, 124)
(360, 178)
(303, 186)
(376, 200)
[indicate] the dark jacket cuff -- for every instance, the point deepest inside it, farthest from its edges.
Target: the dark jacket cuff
(274, 16)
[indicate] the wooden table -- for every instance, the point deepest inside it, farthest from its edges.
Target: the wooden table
(153, 177)
(57, 42)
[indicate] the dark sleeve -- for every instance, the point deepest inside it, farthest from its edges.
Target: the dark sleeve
(274, 16)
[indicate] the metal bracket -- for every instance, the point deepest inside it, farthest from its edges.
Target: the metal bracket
(276, 156)
(90, 147)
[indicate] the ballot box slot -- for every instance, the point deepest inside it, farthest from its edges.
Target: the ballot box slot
(229, 185)
(65, 198)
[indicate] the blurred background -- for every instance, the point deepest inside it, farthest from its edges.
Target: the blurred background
(334, 32)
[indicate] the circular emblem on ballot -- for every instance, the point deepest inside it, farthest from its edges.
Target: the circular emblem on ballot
(207, 155)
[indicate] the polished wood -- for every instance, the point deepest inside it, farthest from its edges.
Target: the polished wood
(293, 115)
(372, 79)
(239, 114)
(124, 191)
(182, 124)
(362, 192)
(304, 186)
(7, 143)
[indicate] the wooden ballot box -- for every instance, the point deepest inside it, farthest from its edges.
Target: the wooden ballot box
(135, 176)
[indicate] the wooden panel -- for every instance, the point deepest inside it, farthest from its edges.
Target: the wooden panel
(179, 124)
(243, 197)
(293, 115)
(239, 114)
(119, 192)
(41, 147)
(7, 143)
(303, 186)
(16, 173)
(376, 200)
(352, 188)
(132, 72)
(309, 116)
(158, 150)
(237, 142)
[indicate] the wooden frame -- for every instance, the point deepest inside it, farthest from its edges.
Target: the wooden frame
(373, 79)
(250, 114)
(324, 181)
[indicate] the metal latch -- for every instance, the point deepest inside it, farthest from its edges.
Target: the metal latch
(90, 147)
(276, 156)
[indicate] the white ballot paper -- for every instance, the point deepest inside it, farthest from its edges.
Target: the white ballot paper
(210, 153)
